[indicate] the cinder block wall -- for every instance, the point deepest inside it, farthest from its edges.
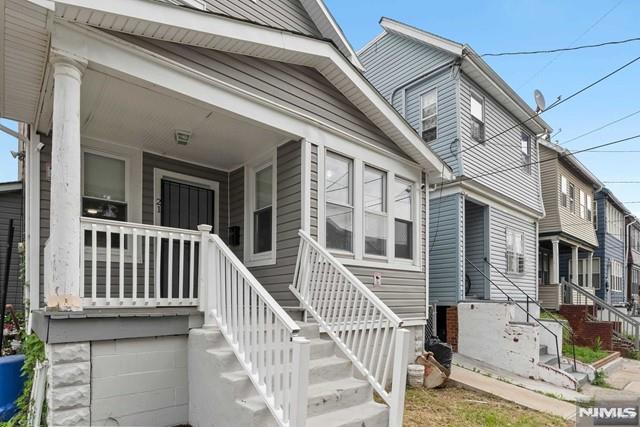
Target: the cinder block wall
(139, 382)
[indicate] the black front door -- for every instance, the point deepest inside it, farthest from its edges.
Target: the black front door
(182, 206)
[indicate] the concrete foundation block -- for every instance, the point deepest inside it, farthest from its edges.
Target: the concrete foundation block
(71, 374)
(71, 417)
(69, 353)
(63, 398)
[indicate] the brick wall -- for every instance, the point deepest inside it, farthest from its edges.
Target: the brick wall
(140, 381)
(586, 331)
(452, 327)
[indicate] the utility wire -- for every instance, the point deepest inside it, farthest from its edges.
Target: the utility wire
(555, 104)
(618, 141)
(586, 46)
(600, 128)
(621, 182)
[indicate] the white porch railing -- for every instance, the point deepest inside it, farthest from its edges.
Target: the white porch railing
(261, 333)
(137, 265)
(356, 319)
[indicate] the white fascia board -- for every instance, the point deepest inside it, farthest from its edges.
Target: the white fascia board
(421, 36)
(47, 4)
(326, 57)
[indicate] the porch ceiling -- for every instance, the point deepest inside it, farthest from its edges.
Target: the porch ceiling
(134, 114)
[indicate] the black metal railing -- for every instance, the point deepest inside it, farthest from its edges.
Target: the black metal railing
(526, 311)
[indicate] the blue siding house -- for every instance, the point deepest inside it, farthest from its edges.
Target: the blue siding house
(611, 232)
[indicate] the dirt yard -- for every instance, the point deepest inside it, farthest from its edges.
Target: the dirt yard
(453, 406)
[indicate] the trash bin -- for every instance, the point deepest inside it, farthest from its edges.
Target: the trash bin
(12, 384)
(442, 351)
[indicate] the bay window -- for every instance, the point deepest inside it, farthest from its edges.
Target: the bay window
(339, 202)
(403, 224)
(375, 212)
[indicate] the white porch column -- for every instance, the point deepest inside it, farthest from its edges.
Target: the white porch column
(555, 262)
(590, 271)
(574, 264)
(64, 239)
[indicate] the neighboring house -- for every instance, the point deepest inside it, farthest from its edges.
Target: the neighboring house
(456, 102)
(201, 173)
(609, 258)
(633, 259)
(567, 233)
(11, 207)
(483, 225)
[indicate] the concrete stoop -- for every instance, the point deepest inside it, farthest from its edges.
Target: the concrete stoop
(565, 375)
(222, 394)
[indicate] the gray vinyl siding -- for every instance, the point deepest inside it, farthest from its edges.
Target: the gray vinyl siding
(501, 152)
(11, 208)
(278, 277)
(609, 248)
(283, 14)
(300, 88)
(446, 228)
(474, 248)
(314, 192)
(393, 63)
(500, 221)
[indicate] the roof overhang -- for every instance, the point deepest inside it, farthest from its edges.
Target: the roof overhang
(571, 160)
(612, 197)
(192, 27)
(477, 69)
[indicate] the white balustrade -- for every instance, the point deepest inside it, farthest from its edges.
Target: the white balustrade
(364, 328)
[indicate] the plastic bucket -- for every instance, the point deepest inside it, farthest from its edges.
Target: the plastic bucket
(11, 383)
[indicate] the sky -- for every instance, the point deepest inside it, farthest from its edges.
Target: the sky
(521, 25)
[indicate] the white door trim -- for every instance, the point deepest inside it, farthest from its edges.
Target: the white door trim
(158, 174)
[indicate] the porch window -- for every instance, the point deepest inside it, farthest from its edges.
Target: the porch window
(375, 212)
(583, 265)
(339, 202)
(477, 117)
(572, 198)
(260, 212)
(525, 150)
(429, 115)
(515, 251)
(595, 271)
(564, 191)
(403, 208)
(104, 192)
(583, 206)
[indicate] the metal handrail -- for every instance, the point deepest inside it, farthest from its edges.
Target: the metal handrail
(635, 325)
(564, 327)
(520, 307)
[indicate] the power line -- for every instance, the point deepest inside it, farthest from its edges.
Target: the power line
(555, 104)
(600, 128)
(552, 60)
(621, 182)
(547, 160)
(614, 151)
(565, 49)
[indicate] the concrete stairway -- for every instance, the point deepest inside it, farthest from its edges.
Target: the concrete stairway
(337, 397)
(552, 360)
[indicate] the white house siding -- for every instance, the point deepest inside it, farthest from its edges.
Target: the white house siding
(394, 61)
(446, 231)
(500, 220)
(498, 153)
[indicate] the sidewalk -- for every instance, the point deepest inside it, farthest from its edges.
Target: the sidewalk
(527, 398)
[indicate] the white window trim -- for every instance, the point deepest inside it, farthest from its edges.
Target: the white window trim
(599, 273)
(250, 170)
(482, 100)
(384, 214)
(614, 221)
(582, 200)
(159, 174)
(423, 118)
(516, 254)
(564, 191)
(612, 277)
(361, 156)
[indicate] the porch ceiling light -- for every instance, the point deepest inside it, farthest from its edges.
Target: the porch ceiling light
(183, 137)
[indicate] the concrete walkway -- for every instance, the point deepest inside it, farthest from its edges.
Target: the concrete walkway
(625, 383)
(513, 393)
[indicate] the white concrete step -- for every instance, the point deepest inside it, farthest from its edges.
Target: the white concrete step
(329, 369)
(322, 347)
(335, 395)
(309, 330)
(370, 414)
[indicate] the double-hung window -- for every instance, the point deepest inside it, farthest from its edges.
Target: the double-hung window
(564, 191)
(339, 202)
(429, 115)
(525, 150)
(477, 118)
(104, 192)
(589, 207)
(615, 222)
(260, 221)
(595, 271)
(403, 213)
(375, 212)
(615, 276)
(572, 198)
(583, 201)
(515, 251)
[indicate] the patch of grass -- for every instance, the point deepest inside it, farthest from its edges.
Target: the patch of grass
(584, 354)
(457, 407)
(600, 380)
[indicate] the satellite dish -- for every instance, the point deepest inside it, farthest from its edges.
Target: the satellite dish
(540, 102)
